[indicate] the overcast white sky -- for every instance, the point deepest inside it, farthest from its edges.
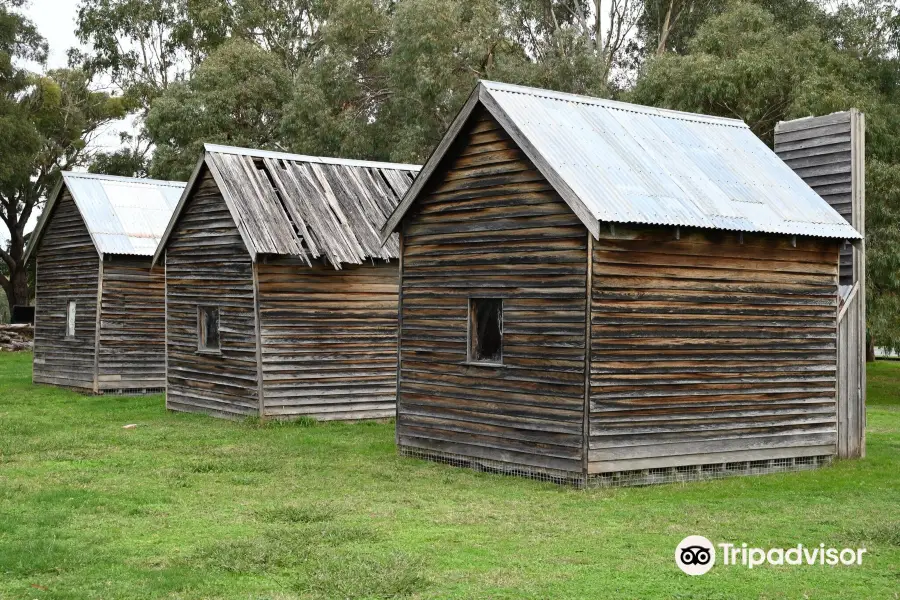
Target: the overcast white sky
(55, 19)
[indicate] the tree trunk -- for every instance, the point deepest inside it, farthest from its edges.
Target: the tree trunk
(18, 286)
(870, 349)
(17, 293)
(664, 30)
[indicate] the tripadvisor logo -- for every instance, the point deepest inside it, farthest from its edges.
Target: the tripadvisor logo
(696, 555)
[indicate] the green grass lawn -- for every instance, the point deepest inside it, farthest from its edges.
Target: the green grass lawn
(186, 506)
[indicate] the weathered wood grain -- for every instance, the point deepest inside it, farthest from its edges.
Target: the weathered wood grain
(288, 206)
(706, 345)
(329, 339)
(829, 154)
(208, 264)
(68, 268)
(858, 193)
(819, 150)
(491, 226)
(132, 325)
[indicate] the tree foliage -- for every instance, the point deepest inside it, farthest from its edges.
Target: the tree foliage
(236, 97)
(129, 160)
(743, 64)
(882, 256)
(46, 124)
(374, 79)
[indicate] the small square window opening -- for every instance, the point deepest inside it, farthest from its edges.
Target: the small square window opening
(208, 328)
(486, 330)
(70, 319)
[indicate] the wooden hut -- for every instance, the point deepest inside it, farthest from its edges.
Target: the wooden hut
(595, 291)
(99, 309)
(281, 301)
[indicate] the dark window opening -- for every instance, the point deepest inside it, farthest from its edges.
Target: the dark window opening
(486, 330)
(208, 328)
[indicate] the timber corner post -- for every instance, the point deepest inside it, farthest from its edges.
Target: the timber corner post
(166, 330)
(858, 193)
(35, 315)
(589, 292)
(98, 308)
(399, 343)
(258, 330)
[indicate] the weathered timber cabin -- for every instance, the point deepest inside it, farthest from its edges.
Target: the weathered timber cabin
(281, 301)
(599, 292)
(99, 309)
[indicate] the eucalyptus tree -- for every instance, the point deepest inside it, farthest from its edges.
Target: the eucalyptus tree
(47, 121)
(236, 97)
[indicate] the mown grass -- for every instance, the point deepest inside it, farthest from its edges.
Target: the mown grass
(185, 506)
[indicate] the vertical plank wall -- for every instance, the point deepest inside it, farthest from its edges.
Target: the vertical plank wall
(491, 226)
(132, 325)
(68, 268)
(329, 339)
(706, 349)
(851, 406)
(207, 264)
(829, 154)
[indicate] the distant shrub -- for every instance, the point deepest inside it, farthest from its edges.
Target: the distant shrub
(4, 309)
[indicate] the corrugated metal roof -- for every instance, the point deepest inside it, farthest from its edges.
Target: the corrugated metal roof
(625, 163)
(124, 215)
(308, 206)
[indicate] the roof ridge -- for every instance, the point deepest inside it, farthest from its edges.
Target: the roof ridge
(666, 113)
(350, 162)
(138, 180)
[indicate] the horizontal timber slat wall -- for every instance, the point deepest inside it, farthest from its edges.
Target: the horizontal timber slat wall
(132, 325)
(68, 268)
(329, 339)
(493, 227)
(820, 151)
(208, 265)
(714, 347)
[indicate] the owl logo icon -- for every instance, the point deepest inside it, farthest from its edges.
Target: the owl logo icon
(695, 555)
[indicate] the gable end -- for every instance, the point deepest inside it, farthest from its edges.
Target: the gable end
(481, 103)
